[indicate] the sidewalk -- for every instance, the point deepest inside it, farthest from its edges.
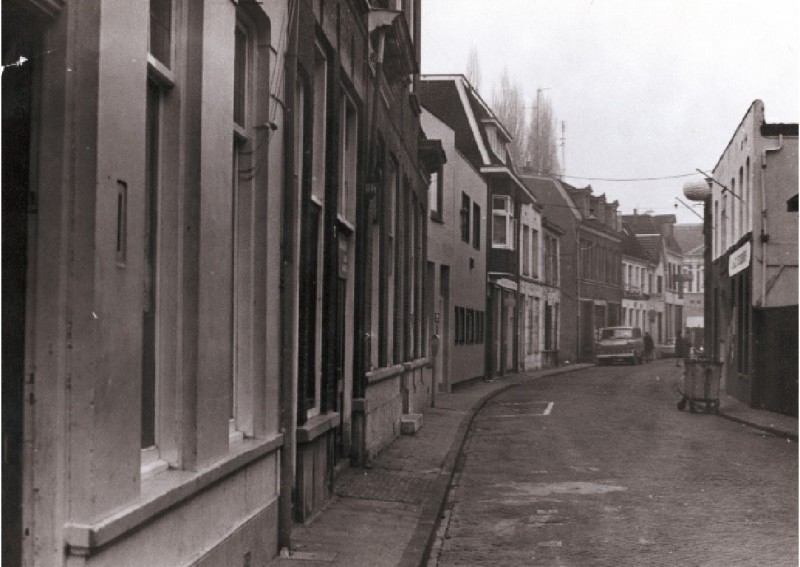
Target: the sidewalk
(387, 515)
(774, 423)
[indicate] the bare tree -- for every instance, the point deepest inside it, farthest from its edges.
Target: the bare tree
(541, 151)
(509, 106)
(473, 73)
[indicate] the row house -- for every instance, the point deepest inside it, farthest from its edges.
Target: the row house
(599, 261)
(561, 219)
(590, 271)
(216, 221)
(141, 355)
(456, 260)
(637, 278)
(665, 283)
(690, 238)
(751, 261)
(521, 311)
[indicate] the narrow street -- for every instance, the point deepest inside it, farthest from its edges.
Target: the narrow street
(600, 468)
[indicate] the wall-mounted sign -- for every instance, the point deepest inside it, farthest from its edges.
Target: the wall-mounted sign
(739, 260)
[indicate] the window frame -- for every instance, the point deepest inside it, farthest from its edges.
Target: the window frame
(464, 217)
(507, 214)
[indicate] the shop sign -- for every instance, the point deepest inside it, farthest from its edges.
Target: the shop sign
(739, 260)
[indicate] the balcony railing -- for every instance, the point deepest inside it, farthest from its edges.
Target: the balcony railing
(634, 292)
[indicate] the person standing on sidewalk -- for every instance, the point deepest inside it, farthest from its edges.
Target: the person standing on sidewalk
(648, 347)
(679, 348)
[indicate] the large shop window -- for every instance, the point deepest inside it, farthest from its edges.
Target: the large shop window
(502, 222)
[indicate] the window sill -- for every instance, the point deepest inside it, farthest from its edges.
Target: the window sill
(162, 492)
(316, 426)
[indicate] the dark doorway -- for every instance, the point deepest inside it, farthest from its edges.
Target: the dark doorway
(21, 39)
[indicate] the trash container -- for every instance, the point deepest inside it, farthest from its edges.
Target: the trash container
(701, 378)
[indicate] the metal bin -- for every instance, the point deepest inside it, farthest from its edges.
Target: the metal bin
(701, 378)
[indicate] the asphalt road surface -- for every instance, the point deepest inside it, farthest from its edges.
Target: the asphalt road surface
(599, 468)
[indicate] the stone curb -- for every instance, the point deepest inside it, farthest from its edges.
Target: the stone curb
(417, 551)
(773, 430)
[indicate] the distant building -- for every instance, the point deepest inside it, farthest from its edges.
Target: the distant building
(690, 238)
(751, 265)
(655, 235)
(637, 280)
(599, 256)
(560, 211)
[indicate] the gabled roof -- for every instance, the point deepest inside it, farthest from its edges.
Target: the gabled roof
(551, 192)
(641, 224)
(451, 99)
(689, 237)
(647, 224)
(631, 245)
(652, 246)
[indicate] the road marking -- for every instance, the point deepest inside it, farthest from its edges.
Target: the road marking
(548, 408)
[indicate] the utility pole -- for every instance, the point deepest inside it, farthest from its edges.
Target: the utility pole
(563, 144)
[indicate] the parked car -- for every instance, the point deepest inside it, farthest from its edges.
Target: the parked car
(619, 344)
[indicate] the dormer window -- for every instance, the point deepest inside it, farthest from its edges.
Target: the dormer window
(496, 143)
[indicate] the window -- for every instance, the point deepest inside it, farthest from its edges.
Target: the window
(502, 222)
(476, 226)
(659, 283)
(535, 338)
(435, 196)
(348, 159)
(535, 253)
(152, 158)
(741, 204)
(526, 250)
(239, 76)
(161, 31)
(529, 325)
(465, 206)
(724, 224)
(311, 245)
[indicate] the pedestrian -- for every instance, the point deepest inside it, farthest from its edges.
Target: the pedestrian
(687, 344)
(648, 347)
(679, 348)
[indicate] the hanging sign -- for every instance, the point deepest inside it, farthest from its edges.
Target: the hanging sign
(739, 260)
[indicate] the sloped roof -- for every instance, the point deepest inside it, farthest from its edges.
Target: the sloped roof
(641, 224)
(631, 245)
(455, 102)
(651, 225)
(689, 237)
(652, 246)
(442, 99)
(548, 192)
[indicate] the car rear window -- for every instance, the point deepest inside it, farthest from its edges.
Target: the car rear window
(617, 334)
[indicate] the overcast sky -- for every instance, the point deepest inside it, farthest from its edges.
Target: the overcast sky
(646, 88)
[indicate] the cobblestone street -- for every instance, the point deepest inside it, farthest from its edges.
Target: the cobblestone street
(599, 468)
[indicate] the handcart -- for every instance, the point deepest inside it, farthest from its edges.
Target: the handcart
(701, 378)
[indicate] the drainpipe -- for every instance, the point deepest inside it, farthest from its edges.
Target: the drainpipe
(359, 449)
(289, 291)
(764, 227)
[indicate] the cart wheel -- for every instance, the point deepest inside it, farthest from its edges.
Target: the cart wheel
(692, 407)
(682, 404)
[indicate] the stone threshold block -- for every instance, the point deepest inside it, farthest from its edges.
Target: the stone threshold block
(410, 423)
